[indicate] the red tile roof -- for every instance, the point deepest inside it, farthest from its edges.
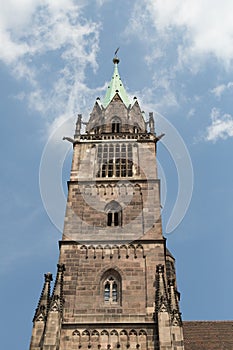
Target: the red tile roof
(208, 335)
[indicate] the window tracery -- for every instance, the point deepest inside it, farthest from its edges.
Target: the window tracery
(115, 160)
(111, 287)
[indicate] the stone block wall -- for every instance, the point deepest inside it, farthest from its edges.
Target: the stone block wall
(86, 266)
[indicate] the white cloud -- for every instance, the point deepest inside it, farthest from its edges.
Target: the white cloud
(15, 18)
(41, 26)
(102, 2)
(50, 44)
(182, 38)
(191, 113)
(220, 89)
(200, 29)
(221, 126)
(162, 95)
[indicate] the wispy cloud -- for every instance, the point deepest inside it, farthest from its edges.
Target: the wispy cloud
(220, 89)
(199, 29)
(183, 41)
(221, 126)
(50, 45)
(191, 113)
(102, 2)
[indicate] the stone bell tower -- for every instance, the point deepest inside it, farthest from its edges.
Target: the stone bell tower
(116, 283)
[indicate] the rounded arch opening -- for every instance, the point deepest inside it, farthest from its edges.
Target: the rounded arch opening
(116, 124)
(114, 214)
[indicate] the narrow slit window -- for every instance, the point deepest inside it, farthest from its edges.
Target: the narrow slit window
(116, 219)
(123, 168)
(110, 168)
(107, 291)
(110, 219)
(118, 167)
(104, 170)
(114, 292)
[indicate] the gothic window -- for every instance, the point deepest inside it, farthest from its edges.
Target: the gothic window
(114, 214)
(99, 153)
(111, 161)
(111, 287)
(116, 125)
(136, 129)
(115, 160)
(96, 130)
(104, 161)
(107, 291)
(130, 163)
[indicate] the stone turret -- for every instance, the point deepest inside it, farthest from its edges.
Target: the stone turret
(167, 317)
(55, 313)
(41, 314)
(176, 321)
(162, 310)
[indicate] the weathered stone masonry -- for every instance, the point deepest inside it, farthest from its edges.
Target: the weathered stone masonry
(116, 283)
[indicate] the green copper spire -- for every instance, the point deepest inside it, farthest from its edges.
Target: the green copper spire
(115, 87)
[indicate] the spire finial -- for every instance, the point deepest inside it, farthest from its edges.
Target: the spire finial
(116, 59)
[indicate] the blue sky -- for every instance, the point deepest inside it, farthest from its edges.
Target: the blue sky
(55, 59)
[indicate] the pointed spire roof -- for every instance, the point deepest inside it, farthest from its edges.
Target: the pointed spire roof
(115, 87)
(56, 301)
(43, 305)
(174, 305)
(162, 303)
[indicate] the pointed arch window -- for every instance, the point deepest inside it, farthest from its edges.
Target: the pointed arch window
(111, 283)
(96, 130)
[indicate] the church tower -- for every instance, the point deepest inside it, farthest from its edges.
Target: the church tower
(116, 283)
